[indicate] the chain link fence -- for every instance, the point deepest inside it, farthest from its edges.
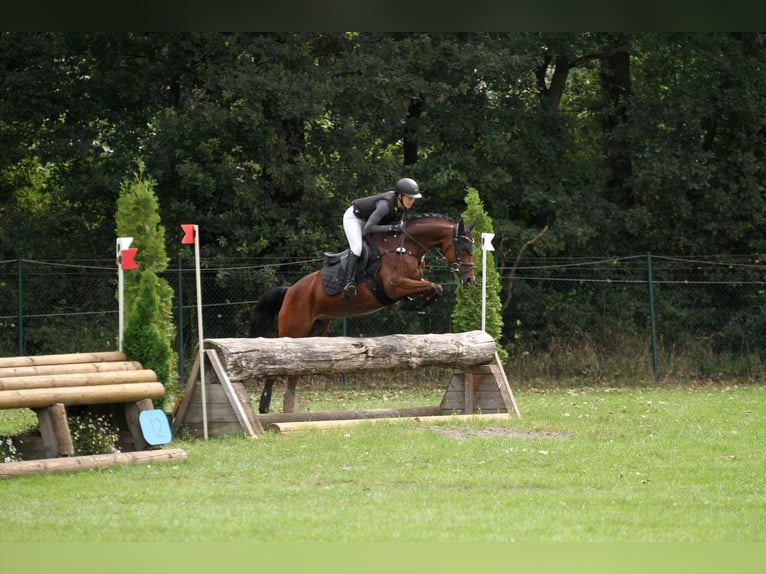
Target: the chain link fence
(564, 318)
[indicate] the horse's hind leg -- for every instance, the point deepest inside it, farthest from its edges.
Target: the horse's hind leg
(320, 328)
(265, 402)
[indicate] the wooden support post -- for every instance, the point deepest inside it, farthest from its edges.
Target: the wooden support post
(132, 412)
(468, 393)
(238, 399)
(61, 429)
(47, 432)
(503, 385)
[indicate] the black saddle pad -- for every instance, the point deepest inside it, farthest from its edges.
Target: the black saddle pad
(333, 271)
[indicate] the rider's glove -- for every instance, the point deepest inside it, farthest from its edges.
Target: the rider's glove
(397, 227)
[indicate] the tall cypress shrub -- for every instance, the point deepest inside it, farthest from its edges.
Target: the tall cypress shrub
(138, 217)
(144, 339)
(467, 313)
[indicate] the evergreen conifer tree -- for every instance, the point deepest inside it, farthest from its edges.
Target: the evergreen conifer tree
(144, 339)
(467, 313)
(138, 217)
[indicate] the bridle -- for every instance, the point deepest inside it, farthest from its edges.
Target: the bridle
(466, 242)
(460, 267)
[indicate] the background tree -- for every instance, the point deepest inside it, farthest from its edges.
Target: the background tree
(614, 143)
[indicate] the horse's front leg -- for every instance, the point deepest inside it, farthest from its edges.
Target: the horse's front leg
(414, 294)
(288, 400)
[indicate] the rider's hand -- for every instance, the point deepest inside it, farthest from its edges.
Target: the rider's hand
(397, 227)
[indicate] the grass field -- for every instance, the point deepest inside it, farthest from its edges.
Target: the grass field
(638, 464)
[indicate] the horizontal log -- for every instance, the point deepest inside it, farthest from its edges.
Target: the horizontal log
(245, 358)
(268, 419)
(66, 358)
(101, 367)
(94, 395)
(75, 463)
(77, 380)
(287, 427)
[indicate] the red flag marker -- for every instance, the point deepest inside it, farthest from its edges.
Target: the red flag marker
(127, 258)
(188, 238)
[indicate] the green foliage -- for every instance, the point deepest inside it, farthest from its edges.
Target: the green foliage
(149, 327)
(145, 337)
(93, 433)
(138, 217)
(620, 143)
(8, 450)
(468, 308)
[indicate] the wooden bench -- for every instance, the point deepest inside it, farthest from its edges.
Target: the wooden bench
(59, 386)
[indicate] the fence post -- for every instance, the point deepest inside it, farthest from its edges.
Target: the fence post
(20, 298)
(180, 299)
(650, 282)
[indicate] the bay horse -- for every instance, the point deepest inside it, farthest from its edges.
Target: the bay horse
(391, 271)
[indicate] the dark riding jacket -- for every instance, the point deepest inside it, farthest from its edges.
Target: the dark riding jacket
(379, 211)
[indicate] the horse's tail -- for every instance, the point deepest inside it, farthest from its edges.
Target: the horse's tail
(263, 317)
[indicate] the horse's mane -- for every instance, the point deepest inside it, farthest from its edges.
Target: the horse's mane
(421, 216)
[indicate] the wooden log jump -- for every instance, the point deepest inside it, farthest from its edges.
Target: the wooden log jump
(75, 463)
(51, 385)
(337, 355)
(478, 384)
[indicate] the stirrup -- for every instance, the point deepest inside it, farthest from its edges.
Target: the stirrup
(349, 291)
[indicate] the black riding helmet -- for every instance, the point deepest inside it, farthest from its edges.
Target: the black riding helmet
(408, 187)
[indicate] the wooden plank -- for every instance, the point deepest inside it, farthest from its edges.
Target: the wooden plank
(77, 463)
(61, 359)
(468, 392)
(77, 379)
(267, 419)
(101, 394)
(504, 386)
(242, 409)
(218, 407)
(188, 396)
(216, 412)
(453, 400)
(47, 432)
(333, 424)
(214, 428)
(70, 368)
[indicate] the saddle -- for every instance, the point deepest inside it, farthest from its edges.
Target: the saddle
(333, 271)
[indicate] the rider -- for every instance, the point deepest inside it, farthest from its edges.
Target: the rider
(375, 214)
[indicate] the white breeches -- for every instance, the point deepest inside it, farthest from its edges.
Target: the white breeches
(353, 226)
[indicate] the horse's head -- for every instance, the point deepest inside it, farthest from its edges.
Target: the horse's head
(461, 254)
(454, 240)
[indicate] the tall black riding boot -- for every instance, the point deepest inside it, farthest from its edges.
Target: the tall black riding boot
(349, 290)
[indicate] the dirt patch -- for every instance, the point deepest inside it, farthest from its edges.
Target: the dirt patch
(498, 432)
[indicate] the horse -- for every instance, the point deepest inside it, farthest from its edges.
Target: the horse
(390, 272)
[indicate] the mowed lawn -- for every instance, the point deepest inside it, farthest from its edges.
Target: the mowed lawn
(638, 464)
